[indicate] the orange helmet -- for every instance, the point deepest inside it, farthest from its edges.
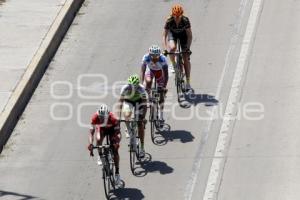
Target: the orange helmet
(177, 10)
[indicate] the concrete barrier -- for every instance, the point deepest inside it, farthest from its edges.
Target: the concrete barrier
(35, 70)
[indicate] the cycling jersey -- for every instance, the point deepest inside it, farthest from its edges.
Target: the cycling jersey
(109, 127)
(133, 94)
(147, 62)
(178, 32)
(181, 28)
(110, 122)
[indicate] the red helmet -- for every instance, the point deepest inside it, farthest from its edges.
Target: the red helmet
(177, 10)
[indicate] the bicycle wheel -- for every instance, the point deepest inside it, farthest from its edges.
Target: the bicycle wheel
(152, 122)
(156, 119)
(178, 76)
(106, 180)
(132, 158)
(137, 152)
(111, 170)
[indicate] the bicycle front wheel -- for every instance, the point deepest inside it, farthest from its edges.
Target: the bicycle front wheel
(152, 122)
(132, 158)
(106, 182)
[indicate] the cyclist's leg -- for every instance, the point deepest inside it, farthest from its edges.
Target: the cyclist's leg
(148, 80)
(127, 112)
(186, 60)
(115, 142)
(160, 80)
(172, 47)
(141, 109)
(100, 135)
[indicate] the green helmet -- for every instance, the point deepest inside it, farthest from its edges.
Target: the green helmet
(134, 79)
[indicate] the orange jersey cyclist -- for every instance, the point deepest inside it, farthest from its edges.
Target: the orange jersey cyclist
(176, 27)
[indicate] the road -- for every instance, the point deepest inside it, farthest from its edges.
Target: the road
(46, 157)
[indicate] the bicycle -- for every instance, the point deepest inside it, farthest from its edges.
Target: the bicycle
(179, 75)
(155, 122)
(108, 165)
(134, 142)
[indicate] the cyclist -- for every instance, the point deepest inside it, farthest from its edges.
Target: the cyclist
(104, 123)
(154, 64)
(134, 96)
(176, 27)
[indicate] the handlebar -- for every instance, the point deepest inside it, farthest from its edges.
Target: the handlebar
(101, 147)
(178, 52)
(159, 89)
(133, 120)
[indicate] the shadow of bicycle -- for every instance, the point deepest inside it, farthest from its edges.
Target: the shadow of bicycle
(13, 195)
(158, 139)
(127, 193)
(176, 135)
(152, 167)
(206, 99)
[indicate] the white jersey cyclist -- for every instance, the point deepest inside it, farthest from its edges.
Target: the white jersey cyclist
(154, 64)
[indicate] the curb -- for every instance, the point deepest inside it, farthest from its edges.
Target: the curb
(35, 70)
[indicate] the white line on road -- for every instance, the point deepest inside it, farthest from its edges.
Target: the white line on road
(197, 163)
(210, 191)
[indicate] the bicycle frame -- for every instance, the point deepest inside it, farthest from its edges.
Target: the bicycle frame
(108, 165)
(154, 109)
(179, 75)
(134, 143)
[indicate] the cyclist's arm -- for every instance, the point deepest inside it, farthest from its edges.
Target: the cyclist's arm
(144, 107)
(190, 37)
(115, 123)
(166, 74)
(165, 33)
(91, 135)
(143, 69)
(121, 100)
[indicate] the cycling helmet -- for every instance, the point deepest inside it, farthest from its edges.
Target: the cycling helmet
(154, 50)
(134, 80)
(177, 10)
(103, 111)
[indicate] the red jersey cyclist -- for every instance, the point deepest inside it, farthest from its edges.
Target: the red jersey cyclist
(104, 123)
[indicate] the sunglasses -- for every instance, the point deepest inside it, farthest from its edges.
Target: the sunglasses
(154, 57)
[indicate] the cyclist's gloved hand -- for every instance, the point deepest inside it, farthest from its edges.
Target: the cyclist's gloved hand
(165, 52)
(90, 148)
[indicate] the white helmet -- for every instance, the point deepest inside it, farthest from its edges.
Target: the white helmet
(103, 110)
(154, 50)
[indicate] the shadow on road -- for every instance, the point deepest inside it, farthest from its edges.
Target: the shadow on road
(13, 195)
(153, 166)
(127, 193)
(194, 99)
(181, 135)
(158, 139)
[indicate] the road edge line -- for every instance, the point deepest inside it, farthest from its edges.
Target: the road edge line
(36, 69)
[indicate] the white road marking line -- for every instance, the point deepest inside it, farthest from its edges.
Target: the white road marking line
(210, 191)
(197, 163)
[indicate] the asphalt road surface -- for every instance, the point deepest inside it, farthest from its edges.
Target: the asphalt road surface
(46, 157)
